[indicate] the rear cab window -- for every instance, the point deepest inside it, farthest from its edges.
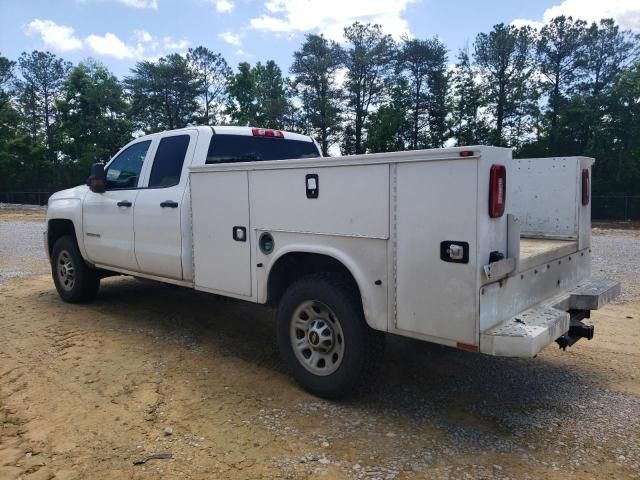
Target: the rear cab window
(226, 148)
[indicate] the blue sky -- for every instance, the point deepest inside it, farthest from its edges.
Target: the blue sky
(121, 32)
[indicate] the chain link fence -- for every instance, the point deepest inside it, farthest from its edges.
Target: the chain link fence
(621, 208)
(26, 198)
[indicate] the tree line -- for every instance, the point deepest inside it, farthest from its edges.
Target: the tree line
(570, 88)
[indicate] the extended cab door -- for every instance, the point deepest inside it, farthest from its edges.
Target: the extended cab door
(158, 210)
(108, 217)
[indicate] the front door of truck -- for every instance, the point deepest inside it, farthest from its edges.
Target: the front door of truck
(160, 214)
(108, 216)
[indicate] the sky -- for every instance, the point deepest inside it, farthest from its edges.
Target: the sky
(119, 33)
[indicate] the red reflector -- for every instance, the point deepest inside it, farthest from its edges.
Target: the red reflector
(266, 132)
(497, 190)
(466, 153)
(586, 188)
(467, 347)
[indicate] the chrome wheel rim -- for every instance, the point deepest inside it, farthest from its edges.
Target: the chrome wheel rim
(317, 338)
(65, 270)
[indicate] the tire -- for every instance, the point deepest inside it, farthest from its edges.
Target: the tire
(75, 281)
(323, 337)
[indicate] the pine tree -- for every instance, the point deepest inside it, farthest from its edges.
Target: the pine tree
(315, 66)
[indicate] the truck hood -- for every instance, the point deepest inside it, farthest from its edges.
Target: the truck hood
(70, 193)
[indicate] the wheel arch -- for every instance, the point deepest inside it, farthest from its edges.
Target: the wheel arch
(57, 228)
(297, 261)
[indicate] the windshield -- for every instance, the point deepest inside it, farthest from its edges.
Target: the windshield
(243, 148)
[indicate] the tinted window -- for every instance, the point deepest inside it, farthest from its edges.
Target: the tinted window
(167, 165)
(124, 171)
(242, 148)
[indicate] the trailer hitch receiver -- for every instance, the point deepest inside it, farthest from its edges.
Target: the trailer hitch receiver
(577, 329)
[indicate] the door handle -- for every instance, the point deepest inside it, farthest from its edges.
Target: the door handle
(169, 203)
(124, 203)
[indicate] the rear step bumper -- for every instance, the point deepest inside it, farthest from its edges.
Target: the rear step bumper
(526, 334)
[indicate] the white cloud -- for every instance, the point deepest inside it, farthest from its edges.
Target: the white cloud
(58, 37)
(152, 4)
(331, 16)
(171, 44)
(224, 6)
(231, 38)
(147, 46)
(142, 36)
(110, 45)
(625, 12)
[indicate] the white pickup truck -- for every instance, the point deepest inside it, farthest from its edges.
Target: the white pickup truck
(465, 247)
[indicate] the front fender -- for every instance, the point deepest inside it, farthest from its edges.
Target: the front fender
(67, 205)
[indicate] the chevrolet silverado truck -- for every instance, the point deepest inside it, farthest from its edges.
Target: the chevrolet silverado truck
(465, 247)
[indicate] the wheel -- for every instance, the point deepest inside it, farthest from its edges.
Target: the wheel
(323, 337)
(75, 281)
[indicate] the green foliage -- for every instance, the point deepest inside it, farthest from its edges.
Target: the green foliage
(505, 62)
(315, 66)
(390, 128)
(424, 63)
(560, 51)
(242, 92)
(623, 166)
(212, 74)
(369, 62)
(468, 125)
(93, 117)
(164, 94)
(258, 95)
(270, 95)
(42, 76)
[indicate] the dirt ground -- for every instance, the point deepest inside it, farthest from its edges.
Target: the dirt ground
(86, 390)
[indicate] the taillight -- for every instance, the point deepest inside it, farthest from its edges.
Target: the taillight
(586, 190)
(497, 190)
(266, 132)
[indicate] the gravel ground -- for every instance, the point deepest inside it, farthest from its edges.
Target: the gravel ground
(234, 412)
(21, 249)
(616, 254)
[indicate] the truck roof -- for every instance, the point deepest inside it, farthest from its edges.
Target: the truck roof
(233, 130)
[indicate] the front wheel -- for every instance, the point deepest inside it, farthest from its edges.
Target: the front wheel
(75, 281)
(323, 337)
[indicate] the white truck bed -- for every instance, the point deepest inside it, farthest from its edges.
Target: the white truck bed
(387, 218)
(538, 251)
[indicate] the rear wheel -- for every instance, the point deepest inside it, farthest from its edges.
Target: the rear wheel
(75, 281)
(323, 337)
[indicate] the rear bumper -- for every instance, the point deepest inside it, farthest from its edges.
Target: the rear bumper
(527, 333)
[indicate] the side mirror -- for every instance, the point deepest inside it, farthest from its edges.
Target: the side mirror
(97, 180)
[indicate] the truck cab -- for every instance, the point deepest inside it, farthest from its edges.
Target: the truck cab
(141, 221)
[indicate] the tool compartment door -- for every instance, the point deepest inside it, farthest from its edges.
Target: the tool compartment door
(221, 232)
(436, 202)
